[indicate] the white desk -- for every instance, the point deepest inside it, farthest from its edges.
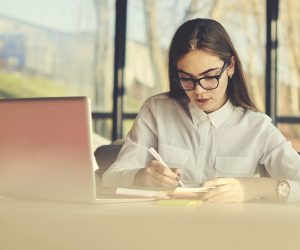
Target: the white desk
(45, 225)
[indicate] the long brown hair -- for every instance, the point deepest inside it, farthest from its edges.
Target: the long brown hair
(208, 35)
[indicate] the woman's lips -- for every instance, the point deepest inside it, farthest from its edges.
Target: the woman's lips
(202, 101)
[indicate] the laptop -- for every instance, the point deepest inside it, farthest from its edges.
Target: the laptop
(45, 149)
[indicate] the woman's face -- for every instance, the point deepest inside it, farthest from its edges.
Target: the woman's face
(197, 64)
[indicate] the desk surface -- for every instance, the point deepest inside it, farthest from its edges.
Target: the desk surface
(48, 225)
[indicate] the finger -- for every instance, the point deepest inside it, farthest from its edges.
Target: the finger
(150, 178)
(216, 182)
(217, 191)
(162, 181)
(222, 195)
(159, 167)
(157, 178)
(177, 171)
(165, 181)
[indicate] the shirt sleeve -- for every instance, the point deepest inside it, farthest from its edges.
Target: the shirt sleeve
(134, 153)
(281, 160)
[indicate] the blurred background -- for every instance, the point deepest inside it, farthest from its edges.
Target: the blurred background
(115, 52)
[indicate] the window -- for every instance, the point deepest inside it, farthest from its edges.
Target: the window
(66, 48)
(58, 48)
(288, 74)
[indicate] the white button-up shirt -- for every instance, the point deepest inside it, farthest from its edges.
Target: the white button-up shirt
(230, 142)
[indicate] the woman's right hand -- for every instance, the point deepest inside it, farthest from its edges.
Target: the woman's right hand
(157, 175)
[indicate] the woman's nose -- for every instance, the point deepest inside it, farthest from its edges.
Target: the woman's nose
(199, 90)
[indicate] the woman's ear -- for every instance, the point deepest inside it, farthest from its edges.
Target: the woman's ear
(230, 68)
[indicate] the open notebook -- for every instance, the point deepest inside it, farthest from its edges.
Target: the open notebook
(156, 193)
(180, 196)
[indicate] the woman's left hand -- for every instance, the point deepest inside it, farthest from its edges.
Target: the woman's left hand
(240, 189)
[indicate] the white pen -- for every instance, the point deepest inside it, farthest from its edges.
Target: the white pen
(158, 157)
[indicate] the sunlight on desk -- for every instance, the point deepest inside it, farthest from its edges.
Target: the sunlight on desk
(147, 225)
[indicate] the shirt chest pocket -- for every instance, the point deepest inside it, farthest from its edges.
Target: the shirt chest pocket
(174, 157)
(237, 166)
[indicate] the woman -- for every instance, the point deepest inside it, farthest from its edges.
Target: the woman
(207, 128)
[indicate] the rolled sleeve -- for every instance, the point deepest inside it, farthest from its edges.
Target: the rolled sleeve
(119, 177)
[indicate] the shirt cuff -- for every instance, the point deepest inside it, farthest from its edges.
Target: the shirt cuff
(294, 194)
(119, 178)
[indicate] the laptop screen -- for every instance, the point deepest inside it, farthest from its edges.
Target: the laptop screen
(45, 149)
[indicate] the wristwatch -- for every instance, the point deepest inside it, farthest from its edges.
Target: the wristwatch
(283, 190)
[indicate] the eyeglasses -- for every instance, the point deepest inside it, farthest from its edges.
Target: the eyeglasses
(206, 82)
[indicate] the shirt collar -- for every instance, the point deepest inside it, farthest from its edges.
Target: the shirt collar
(197, 114)
(216, 118)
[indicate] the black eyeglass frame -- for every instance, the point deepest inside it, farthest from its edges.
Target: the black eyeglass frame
(198, 80)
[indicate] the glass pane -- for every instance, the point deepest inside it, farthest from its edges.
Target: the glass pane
(57, 48)
(127, 124)
(292, 133)
(147, 42)
(288, 59)
(103, 127)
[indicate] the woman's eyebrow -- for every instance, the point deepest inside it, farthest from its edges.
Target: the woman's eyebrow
(202, 73)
